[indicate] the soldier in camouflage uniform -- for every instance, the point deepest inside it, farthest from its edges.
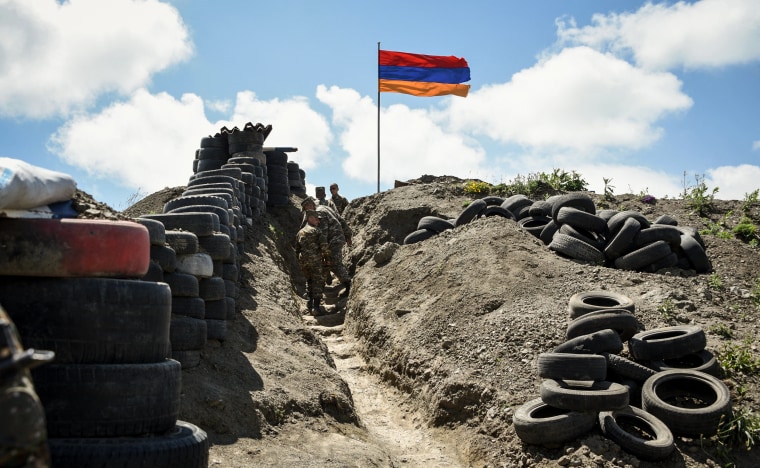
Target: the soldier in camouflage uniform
(313, 252)
(338, 234)
(23, 433)
(322, 201)
(338, 200)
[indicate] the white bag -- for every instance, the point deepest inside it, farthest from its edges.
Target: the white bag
(24, 186)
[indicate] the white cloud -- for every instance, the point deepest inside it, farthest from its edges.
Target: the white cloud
(733, 182)
(702, 34)
(579, 99)
(293, 121)
(413, 141)
(222, 106)
(56, 58)
(148, 142)
(756, 145)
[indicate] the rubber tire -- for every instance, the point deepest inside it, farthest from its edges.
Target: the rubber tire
(702, 361)
(580, 219)
(589, 301)
(472, 211)
(185, 445)
(200, 265)
(195, 200)
(654, 233)
(187, 333)
(593, 343)
(643, 256)
(515, 203)
(662, 387)
(620, 243)
(576, 249)
(580, 201)
(193, 307)
(183, 242)
(94, 320)
(188, 359)
(616, 222)
(534, 225)
(568, 366)
(156, 230)
(109, 400)
(547, 233)
(628, 369)
(659, 447)
(496, 210)
(620, 320)
(599, 395)
(667, 342)
(537, 423)
(435, 224)
(182, 284)
(418, 236)
(200, 224)
(695, 253)
(211, 289)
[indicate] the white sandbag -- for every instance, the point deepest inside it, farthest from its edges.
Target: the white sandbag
(24, 186)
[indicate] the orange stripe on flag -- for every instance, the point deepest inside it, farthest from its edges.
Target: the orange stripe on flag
(420, 88)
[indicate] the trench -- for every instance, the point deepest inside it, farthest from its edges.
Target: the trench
(385, 413)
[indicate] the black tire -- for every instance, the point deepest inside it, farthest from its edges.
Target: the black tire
(628, 369)
(643, 256)
(606, 214)
(668, 261)
(709, 401)
(667, 342)
(667, 220)
(540, 208)
(216, 329)
(580, 219)
(590, 238)
(654, 233)
(580, 201)
(589, 301)
(567, 366)
(220, 217)
(547, 233)
(593, 343)
(216, 141)
(195, 200)
(534, 225)
(155, 228)
(211, 289)
(702, 361)
(201, 165)
(418, 236)
(599, 395)
(537, 423)
(496, 210)
(616, 222)
(165, 256)
(515, 203)
(188, 359)
(435, 224)
(155, 273)
(576, 249)
(216, 309)
(625, 426)
(472, 211)
(93, 320)
(695, 253)
(185, 445)
(193, 307)
(102, 400)
(620, 243)
(183, 242)
(200, 224)
(620, 320)
(182, 284)
(219, 154)
(217, 245)
(493, 200)
(187, 333)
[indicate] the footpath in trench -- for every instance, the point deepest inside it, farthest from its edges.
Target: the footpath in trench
(385, 412)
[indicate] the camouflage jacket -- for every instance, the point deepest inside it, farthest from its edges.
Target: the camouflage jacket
(311, 245)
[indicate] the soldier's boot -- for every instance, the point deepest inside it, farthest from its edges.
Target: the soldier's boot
(318, 309)
(345, 292)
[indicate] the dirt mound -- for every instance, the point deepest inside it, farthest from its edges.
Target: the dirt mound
(454, 324)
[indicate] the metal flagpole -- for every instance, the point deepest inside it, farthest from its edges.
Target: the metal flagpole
(378, 117)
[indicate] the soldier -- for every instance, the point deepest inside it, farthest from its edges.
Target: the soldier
(322, 201)
(313, 252)
(338, 200)
(338, 234)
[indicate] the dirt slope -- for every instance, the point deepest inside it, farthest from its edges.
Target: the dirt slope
(444, 334)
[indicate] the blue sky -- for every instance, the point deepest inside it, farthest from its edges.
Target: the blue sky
(118, 93)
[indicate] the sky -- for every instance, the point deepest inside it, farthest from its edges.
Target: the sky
(650, 97)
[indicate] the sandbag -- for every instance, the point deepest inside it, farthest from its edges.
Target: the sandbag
(24, 186)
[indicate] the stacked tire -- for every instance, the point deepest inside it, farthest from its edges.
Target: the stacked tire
(212, 153)
(112, 395)
(669, 380)
(278, 182)
(248, 142)
(295, 181)
(429, 226)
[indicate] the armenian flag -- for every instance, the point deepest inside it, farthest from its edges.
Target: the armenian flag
(422, 75)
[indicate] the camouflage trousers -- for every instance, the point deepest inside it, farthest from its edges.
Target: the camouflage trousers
(336, 262)
(315, 272)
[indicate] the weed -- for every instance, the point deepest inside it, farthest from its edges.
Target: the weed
(609, 189)
(477, 188)
(722, 330)
(667, 310)
(538, 185)
(745, 230)
(699, 197)
(715, 281)
(749, 200)
(742, 428)
(134, 198)
(739, 358)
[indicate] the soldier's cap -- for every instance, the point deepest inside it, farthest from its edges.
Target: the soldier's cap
(314, 213)
(320, 190)
(306, 201)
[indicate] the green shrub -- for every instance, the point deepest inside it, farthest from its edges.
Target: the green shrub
(699, 197)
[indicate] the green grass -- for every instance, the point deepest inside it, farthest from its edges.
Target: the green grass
(698, 196)
(742, 429)
(739, 358)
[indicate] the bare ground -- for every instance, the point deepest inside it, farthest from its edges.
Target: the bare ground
(426, 361)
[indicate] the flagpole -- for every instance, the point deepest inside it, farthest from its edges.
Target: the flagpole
(378, 117)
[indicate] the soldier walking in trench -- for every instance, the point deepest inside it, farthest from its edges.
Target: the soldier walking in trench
(338, 234)
(313, 253)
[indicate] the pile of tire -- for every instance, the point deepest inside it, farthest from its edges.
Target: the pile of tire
(570, 225)
(296, 178)
(278, 182)
(668, 386)
(248, 142)
(112, 395)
